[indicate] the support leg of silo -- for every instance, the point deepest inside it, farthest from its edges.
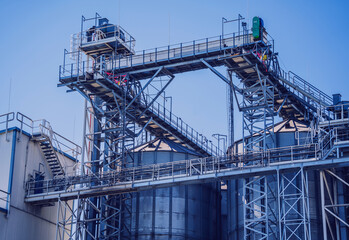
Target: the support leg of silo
(322, 189)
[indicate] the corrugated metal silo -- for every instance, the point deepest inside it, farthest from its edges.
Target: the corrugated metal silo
(180, 212)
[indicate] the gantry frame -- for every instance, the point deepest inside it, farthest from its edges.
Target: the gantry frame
(115, 84)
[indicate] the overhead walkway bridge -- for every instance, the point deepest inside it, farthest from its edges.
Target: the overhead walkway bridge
(251, 61)
(331, 152)
(115, 80)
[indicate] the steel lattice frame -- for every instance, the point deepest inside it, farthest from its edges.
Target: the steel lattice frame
(258, 120)
(112, 140)
(258, 112)
(334, 204)
(115, 131)
(112, 130)
(71, 217)
(294, 214)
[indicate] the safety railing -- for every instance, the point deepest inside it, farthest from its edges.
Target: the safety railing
(334, 112)
(322, 97)
(304, 90)
(183, 128)
(43, 127)
(175, 122)
(6, 119)
(326, 142)
(101, 34)
(177, 169)
(200, 47)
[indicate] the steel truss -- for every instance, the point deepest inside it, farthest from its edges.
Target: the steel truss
(334, 203)
(257, 107)
(293, 197)
(258, 112)
(70, 219)
(73, 221)
(266, 88)
(115, 131)
(112, 142)
(260, 217)
(259, 200)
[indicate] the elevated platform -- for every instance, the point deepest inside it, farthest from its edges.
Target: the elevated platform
(330, 151)
(107, 38)
(191, 171)
(157, 119)
(294, 97)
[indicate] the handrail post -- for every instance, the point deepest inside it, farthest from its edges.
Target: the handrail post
(220, 42)
(143, 56)
(206, 45)
(119, 61)
(213, 164)
(181, 45)
(219, 164)
(186, 168)
(153, 173)
(133, 175)
(201, 166)
(233, 40)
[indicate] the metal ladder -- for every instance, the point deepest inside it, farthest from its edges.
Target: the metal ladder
(49, 153)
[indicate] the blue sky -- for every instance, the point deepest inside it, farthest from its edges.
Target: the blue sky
(310, 36)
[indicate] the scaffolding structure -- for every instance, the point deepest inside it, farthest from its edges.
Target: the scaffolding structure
(123, 89)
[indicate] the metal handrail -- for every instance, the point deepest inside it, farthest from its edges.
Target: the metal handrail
(198, 166)
(300, 87)
(10, 116)
(186, 130)
(176, 122)
(334, 112)
(154, 55)
(178, 169)
(7, 118)
(42, 126)
(102, 33)
(311, 89)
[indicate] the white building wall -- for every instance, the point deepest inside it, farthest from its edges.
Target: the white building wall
(25, 221)
(5, 162)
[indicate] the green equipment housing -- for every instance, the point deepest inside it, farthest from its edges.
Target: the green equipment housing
(257, 28)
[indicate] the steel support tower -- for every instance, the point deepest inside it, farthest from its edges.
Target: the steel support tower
(123, 88)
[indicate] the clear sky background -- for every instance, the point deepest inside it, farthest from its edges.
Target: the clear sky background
(310, 36)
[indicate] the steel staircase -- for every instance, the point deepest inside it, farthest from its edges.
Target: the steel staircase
(50, 143)
(294, 97)
(49, 153)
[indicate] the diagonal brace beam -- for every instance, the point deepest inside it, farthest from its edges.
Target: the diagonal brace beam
(145, 86)
(159, 93)
(220, 75)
